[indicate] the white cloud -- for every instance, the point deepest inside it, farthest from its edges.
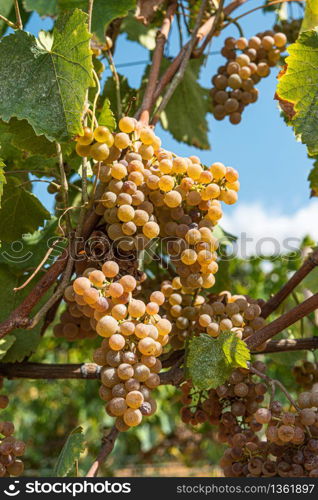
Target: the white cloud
(262, 231)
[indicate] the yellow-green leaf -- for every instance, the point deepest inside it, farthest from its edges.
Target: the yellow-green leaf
(310, 20)
(70, 453)
(297, 89)
(47, 86)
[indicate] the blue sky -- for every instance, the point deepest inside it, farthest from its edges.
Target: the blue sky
(273, 166)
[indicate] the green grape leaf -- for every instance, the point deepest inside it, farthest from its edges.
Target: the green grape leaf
(27, 252)
(297, 89)
(5, 344)
(190, 104)
(106, 116)
(70, 453)
(206, 362)
(21, 211)
(50, 90)
(21, 135)
(42, 7)
(310, 20)
(2, 179)
(313, 179)
(26, 341)
(138, 32)
(104, 12)
(235, 350)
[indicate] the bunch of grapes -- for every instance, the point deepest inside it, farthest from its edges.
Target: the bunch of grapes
(230, 406)
(290, 448)
(11, 449)
(152, 193)
(290, 28)
(134, 336)
(191, 313)
(306, 374)
(248, 61)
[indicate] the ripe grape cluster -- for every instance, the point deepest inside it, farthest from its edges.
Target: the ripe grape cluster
(230, 406)
(263, 442)
(11, 449)
(191, 313)
(150, 192)
(290, 448)
(248, 61)
(134, 336)
(306, 374)
(290, 28)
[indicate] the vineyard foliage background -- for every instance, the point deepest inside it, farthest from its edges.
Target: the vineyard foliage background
(44, 85)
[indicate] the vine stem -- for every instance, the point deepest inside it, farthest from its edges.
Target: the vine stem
(8, 22)
(273, 382)
(19, 24)
(161, 39)
(175, 64)
(284, 321)
(271, 305)
(179, 74)
(214, 24)
(95, 98)
(58, 293)
(64, 187)
(90, 12)
(35, 272)
(108, 443)
(274, 2)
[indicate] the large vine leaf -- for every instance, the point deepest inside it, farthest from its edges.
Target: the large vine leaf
(70, 452)
(42, 7)
(47, 86)
(185, 114)
(104, 12)
(21, 211)
(310, 20)
(297, 89)
(209, 361)
(2, 179)
(25, 341)
(206, 363)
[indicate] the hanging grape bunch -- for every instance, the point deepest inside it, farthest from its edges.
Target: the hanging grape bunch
(230, 406)
(191, 313)
(248, 61)
(134, 336)
(153, 193)
(290, 448)
(11, 449)
(290, 28)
